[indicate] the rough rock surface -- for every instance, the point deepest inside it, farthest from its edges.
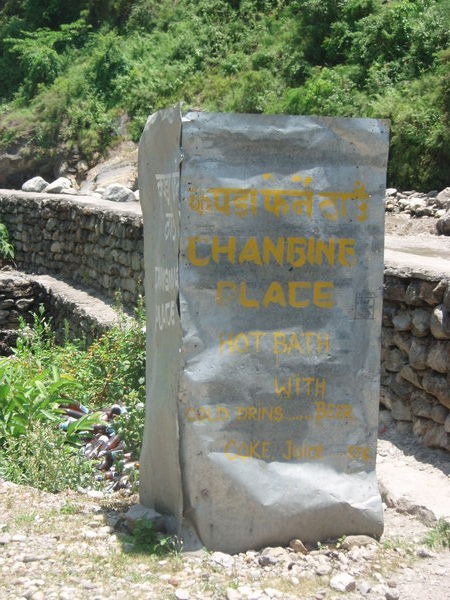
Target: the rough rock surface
(120, 167)
(57, 186)
(118, 193)
(86, 240)
(417, 204)
(19, 163)
(36, 184)
(21, 294)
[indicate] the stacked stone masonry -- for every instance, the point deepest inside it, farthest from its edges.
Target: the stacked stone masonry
(100, 245)
(415, 356)
(18, 298)
(72, 312)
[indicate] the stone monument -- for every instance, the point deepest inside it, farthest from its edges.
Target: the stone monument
(263, 278)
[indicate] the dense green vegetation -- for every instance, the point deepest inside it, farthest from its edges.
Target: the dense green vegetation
(42, 376)
(70, 71)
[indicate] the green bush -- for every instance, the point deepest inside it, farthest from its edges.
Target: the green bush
(42, 459)
(103, 374)
(69, 73)
(439, 535)
(327, 91)
(6, 248)
(145, 539)
(42, 375)
(420, 131)
(26, 400)
(130, 426)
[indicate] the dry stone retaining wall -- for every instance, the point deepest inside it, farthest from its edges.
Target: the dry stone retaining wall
(415, 366)
(18, 297)
(21, 295)
(93, 242)
(99, 244)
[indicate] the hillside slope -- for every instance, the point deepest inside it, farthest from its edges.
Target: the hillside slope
(76, 78)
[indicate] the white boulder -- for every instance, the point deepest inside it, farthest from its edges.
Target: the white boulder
(118, 193)
(57, 186)
(35, 184)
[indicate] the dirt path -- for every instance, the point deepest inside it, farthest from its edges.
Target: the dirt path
(71, 546)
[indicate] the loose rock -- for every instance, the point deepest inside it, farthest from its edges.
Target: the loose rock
(119, 193)
(297, 546)
(57, 186)
(35, 184)
(343, 582)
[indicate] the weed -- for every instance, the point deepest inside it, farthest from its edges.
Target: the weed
(146, 539)
(69, 509)
(398, 543)
(42, 376)
(41, 459)
(6, 248)
(25, 519)
(439, 535)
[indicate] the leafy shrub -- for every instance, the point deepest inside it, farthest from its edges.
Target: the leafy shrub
(103, 374)
(42, 375)
(25, 401)
(130, 425)
(42, 459)
(146, 539)
(439, 535)
(76, 69)
(6, 248)
(326, 91)
(420, 131)
(40, 53)
(253, 92)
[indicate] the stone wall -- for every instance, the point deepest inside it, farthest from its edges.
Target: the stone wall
(94, 242)
(99, 244)
(18, 296)
(415, 367)
(72, 312)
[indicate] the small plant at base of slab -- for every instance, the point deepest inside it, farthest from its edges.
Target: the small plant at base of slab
(145, 538)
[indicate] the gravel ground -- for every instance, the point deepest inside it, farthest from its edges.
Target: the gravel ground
(70, 546)
(73, 547)
(403, 224)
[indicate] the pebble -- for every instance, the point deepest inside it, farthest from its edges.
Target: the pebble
(222, 559)
(322, 570)
(343, 582)
(363, 587)
(265, 561)
(32, 558)
(357, 540)
(297, 546)
(182, 594)
(392, 594)
(423, 552)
